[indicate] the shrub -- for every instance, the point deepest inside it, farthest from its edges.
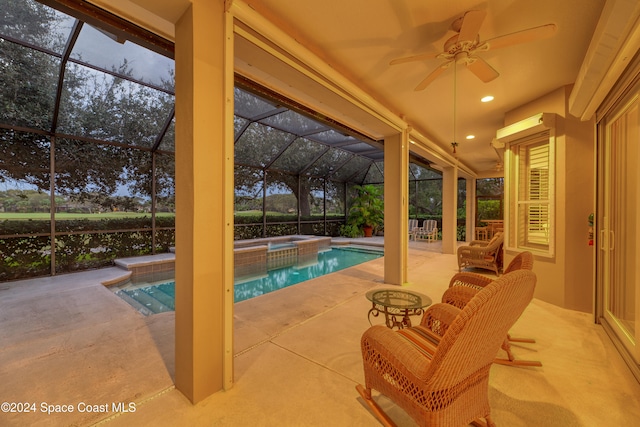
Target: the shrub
(350, 230)
(79, 244)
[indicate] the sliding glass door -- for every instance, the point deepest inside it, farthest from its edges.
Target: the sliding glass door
(618, 226)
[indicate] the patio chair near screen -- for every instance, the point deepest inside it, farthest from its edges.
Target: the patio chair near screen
(413, 226)
(428, 231)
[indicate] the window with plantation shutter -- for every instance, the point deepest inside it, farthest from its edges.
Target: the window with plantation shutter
(531, 188)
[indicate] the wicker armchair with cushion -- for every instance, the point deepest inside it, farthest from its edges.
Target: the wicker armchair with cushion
(463, 286)
(438, 372)
(522, 261)
(482, 254)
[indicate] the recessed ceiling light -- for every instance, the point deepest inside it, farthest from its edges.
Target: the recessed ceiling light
(470, 136)
(487, 98)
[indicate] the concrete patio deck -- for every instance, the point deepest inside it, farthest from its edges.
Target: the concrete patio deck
(67, 340)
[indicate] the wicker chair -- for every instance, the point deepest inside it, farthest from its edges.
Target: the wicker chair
(463, 286)
(438, 372)
(482, 254)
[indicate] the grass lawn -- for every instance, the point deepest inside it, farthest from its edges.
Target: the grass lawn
(65, 215)
(270, 213)
(111, 215)
(259, 213)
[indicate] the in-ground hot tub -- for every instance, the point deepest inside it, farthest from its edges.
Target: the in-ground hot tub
(254, 257)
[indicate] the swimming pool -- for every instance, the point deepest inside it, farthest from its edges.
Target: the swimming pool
(159, 298)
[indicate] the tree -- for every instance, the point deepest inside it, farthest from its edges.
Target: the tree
(428, 197)
(490, 187)
(93, 104)
(490, 192)
(28, 102)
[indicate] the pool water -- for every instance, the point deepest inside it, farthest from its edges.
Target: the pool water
(160, 297)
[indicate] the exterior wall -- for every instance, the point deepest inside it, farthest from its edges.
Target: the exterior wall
(580, 202)
(567, 278)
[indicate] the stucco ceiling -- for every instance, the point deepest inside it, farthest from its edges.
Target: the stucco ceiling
(360, 38)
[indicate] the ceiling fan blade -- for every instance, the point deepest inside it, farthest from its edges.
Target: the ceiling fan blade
(414, 58)
(431, 77)
(482, 69)
(471, 23)
(524, 36)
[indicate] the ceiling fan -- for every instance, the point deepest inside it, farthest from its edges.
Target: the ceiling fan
(462, 47)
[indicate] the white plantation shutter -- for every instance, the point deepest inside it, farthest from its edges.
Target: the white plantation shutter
(533, 199)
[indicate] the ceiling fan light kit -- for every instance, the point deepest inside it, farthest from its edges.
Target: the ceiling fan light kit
(454, 145)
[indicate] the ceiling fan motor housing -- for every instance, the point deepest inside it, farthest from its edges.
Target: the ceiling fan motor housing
(452, 46)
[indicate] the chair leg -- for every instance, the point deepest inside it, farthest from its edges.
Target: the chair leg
(377, 410)
(527, 340)
(517, 362)
(512, 361)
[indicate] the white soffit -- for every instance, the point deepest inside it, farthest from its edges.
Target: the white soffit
(527, 127)
(615, 42)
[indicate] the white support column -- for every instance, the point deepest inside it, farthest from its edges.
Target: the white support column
(471, 209)
(449, 210)
(396, 208)
(204, 200)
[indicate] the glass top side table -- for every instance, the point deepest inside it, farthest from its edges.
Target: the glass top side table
(397, 305)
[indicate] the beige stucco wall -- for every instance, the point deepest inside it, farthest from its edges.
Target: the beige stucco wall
(567, 278)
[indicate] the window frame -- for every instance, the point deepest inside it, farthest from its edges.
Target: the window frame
(519, 236)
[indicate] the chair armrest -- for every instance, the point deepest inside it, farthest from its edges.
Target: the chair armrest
(477, 252)
(379, 340)
(459, 296)
(472, 280)
(438, 317)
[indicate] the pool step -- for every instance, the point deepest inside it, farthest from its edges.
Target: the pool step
(133, 303)
(162, 297)
(154, 301)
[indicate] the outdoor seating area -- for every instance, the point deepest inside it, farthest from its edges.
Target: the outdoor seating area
(464, 286)
(438, 372)
(246, 213)
(428, 231)
(313, 337)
